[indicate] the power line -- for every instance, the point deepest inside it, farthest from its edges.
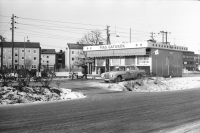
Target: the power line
(5, 27)
(57, 21)
(4, 16)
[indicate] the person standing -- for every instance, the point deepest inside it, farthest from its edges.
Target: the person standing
(84, 71)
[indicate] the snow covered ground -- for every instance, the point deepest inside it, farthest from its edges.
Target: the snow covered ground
(162, 84)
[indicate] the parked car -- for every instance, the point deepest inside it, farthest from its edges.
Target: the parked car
(119, 73)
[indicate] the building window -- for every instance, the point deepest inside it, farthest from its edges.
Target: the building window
(34, 66)
(4, 57)
(72, 58)
(22, 58)
(15, 48)
(10, 50)
(10, 58)
(140, 44)
(29, 58)
(72, 52)
(47, 56)
(4, 50)
(16, 54)
(22, 50)
(153, 44)
(135, 44)
(15, 61)
(43, 60)
(47, 61)
(29, 51)
(34, 58)
(34, 51)
(156, 45)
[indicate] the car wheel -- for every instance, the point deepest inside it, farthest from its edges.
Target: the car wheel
(106, 81)
(119, 79)
(139, 76)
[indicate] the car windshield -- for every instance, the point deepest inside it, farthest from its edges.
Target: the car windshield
(118, 69)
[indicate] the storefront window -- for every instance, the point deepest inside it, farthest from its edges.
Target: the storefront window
(115, 62)
(142, 60)
(130, 61)
(100, 62)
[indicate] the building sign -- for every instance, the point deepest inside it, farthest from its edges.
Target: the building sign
(115, 46)
(143, 60)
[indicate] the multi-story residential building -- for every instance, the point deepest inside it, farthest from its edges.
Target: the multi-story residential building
(26, 54)
(73, 51)
(60, 60)
(197, 61)
(48, 58)
(189, 60)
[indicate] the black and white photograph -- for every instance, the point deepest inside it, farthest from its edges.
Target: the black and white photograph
(99, 66)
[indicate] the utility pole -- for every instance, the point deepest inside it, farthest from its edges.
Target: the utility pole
(12, 40)
(152, 35)
(108, 35)
(2, 40)
(164, 32)
(162, 36)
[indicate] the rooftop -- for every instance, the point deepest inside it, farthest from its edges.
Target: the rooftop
(21, 44)
(48, 51)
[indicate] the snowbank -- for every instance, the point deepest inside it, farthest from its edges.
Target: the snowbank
(10, 95)
(154, 85)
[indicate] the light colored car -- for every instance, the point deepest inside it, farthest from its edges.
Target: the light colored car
(119, 73)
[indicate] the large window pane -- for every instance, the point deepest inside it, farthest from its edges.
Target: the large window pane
(100, 62)
(115, 62)
(130, 61)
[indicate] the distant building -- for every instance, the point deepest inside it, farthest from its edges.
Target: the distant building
(60, 60)
(73, 51)
(23, 52)
(48, 58)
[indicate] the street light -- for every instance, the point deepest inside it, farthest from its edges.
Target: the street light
(24, 50)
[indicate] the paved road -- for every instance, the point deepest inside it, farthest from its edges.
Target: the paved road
(104, 111)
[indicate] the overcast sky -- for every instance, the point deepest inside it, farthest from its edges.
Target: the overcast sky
(54, 23)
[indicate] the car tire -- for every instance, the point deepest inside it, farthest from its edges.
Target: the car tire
(119, 79)
(106, 81)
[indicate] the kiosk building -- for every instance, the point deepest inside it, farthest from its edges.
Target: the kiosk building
(160, 58)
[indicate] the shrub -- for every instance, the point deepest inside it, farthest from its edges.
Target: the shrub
(6, 76)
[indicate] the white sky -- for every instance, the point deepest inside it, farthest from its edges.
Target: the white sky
(69, 20)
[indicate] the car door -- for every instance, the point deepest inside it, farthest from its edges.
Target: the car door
(128, 73)
(133, 72)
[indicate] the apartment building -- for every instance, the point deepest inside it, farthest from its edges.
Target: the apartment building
(73, 51)
(60, 60)
(48, 58)
(25, 54)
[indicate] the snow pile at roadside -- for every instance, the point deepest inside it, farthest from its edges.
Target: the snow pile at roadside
(153, 84)
(11, 95)
(68, 94)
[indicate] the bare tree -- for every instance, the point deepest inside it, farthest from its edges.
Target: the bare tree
(81, 59)
(93, 38)
(28, 63)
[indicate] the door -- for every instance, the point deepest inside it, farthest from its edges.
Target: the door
(170, 69)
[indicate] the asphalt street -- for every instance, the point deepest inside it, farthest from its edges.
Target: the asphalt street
(104, 111)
